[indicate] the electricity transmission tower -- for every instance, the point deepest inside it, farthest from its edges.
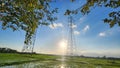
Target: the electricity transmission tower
(71, 47)
(29, 48)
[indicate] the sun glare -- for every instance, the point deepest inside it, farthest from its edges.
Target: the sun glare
(63, 43)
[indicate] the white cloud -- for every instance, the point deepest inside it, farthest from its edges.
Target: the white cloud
(102, 34)
(76, 32)
(82, 19)
(73, 25)
(86, 28)
(55, 25)
(105, 33)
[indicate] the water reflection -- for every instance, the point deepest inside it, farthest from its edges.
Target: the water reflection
(38, 65)
(52, 64)
(62, 66)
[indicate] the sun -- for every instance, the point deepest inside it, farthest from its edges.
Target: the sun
(63, 43)
(62, 46)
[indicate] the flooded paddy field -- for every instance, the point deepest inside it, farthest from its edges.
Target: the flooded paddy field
(52, 61)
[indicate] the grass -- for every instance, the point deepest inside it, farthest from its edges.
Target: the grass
(14, 58)
(82, 62)
(51, 60)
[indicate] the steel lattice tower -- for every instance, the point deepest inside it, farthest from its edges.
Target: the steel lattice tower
(29, 48)
(71, 47)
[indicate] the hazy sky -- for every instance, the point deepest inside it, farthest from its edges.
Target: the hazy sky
(93, 36)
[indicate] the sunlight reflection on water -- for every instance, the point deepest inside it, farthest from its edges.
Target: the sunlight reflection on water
(46, 66)
(62, 66)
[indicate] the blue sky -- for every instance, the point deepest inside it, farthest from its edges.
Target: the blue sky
(93, 37)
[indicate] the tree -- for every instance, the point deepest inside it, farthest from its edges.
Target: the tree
(26, 15)
(114, 16)
(8, 50)
(29, 14)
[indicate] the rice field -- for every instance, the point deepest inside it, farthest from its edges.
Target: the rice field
(54, 61)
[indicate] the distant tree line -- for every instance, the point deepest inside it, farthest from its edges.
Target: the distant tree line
(8, 50)
(102, 57)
